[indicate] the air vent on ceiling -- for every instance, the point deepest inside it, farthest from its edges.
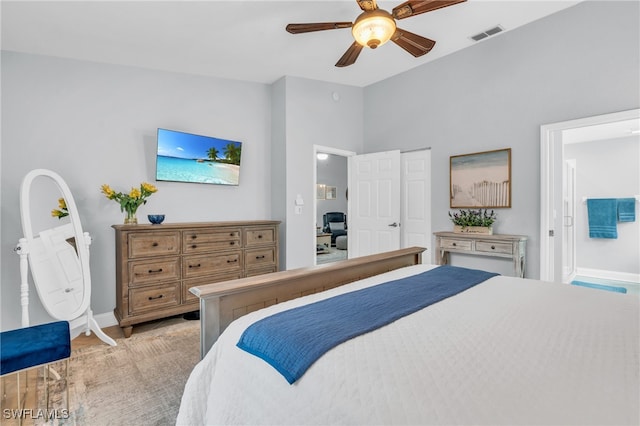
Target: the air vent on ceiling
(487, 33)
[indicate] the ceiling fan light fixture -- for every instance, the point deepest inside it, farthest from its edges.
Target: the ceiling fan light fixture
(373, 28)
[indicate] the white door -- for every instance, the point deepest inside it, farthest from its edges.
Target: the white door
(374, 203)
(416, 200)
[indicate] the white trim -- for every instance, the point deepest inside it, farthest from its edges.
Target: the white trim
(609, 275)
(106, 320)
(550, 135)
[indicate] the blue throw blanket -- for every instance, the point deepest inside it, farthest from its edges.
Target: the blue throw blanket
(291, 341)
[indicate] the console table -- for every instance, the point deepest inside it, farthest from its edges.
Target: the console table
(506, 246)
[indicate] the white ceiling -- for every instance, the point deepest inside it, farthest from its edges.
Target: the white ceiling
(245, 40)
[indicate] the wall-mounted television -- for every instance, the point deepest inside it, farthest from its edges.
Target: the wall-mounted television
(185, 157)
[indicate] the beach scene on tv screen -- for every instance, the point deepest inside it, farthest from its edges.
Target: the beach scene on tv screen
(184, 157)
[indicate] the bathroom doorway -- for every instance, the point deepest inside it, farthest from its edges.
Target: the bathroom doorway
(594, 157)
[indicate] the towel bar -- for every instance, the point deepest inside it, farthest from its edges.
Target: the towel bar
(637, 197)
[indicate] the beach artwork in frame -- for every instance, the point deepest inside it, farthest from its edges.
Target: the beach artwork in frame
(480, 180)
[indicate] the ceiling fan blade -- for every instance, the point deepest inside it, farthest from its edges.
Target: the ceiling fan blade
(412, 43)
(367, 5)
(318, 26)
(350, 55)
(413, 8)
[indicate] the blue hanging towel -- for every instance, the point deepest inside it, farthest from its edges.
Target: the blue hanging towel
(603, 216)
(626, 209)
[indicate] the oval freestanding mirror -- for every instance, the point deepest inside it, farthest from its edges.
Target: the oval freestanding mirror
(58, 258)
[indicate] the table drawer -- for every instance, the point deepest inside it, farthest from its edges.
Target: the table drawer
(153, 244)
(197, 241)
(455, 244)
(144, 272)
(259, 236)
(494, 247)
(145, 299)
(257, 258)
(197, 266)
(188, 297)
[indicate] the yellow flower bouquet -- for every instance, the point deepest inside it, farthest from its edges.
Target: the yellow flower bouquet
(61, 211)
(130, 202)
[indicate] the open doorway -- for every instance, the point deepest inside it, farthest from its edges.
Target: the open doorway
(331, 204)
(594, 157)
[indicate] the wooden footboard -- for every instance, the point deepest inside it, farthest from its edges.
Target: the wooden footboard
(223, 302)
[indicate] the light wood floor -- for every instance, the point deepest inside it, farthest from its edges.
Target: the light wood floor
(27, 380)
(115, 332)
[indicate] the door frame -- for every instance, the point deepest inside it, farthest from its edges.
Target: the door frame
(328, 150)
(550, 149)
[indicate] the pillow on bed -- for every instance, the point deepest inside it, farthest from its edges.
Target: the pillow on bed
(336, 226)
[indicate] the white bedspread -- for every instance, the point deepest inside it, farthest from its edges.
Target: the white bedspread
(508, 351)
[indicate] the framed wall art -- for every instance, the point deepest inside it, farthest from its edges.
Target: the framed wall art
(320, 191)
(480, 180)
(332, 193)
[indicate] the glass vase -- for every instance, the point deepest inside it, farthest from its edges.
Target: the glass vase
(130, 218)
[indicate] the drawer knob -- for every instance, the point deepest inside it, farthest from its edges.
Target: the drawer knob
(232, 261)
(493, 247)
(260, 257)
(454, 244)
(232, 243)
(155, 244)
(194, 246)
(195, 266)
(232, 234)
(155, 271)
(260, 236)
(156, 297)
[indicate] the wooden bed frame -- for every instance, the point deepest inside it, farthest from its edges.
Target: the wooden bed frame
(223, 302)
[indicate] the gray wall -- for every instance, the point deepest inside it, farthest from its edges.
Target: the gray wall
(312, 117)
(95, 124)
(580, 62)
(607, 169)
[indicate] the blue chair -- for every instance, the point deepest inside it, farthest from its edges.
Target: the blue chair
(36, 346)
(334, 223)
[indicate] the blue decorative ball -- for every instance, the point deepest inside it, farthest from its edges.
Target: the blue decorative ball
(156, 219)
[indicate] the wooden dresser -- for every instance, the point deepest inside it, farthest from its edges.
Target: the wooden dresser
(506, 246)
(157, 264)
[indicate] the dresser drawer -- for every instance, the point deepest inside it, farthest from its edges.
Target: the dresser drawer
(153, 244)
(261, 271)
(145, 299)
(197, 241)
(259, 236)
(494, 247)
(197, 266)
(144, 272)
(257, 258)
(188, 297)
(455, 244)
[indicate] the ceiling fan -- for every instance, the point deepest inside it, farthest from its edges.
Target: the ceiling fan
(376, 26)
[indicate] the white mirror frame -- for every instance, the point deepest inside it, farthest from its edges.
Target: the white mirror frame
(81, 315)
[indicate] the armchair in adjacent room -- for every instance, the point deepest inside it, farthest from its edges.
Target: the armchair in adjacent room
(335, 223)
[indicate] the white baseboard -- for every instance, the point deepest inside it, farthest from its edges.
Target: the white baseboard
(106, 320)
(608, 275)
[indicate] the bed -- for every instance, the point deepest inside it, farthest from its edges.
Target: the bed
(505, 351)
